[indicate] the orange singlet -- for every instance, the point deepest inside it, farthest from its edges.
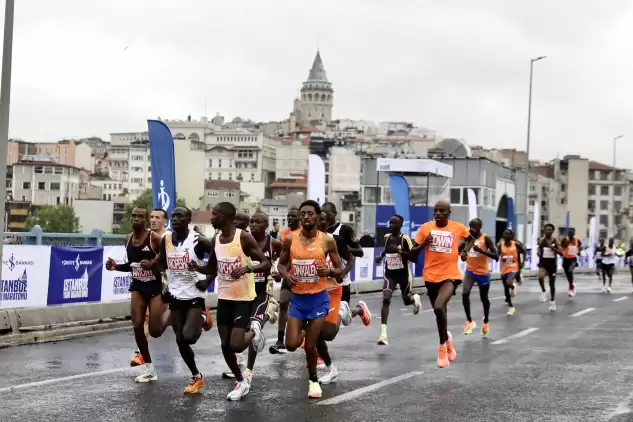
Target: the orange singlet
(440, 261)
(571, 250)
(304, 259)
(287, 231)
(509, 258)
(478, 263)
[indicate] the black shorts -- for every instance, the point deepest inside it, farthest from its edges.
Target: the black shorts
(183, 304)
(393, 280)
(234, 313)
(549, 265)
(347, 293)
(569, 264)
(598, 263)
(259, 306)
(433, 289)
(147, 289)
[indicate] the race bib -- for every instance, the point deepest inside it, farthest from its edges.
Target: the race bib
(472, 253)
(140, 274)
(394, 261)
(226, 265)
(442, 241)
(572, 250)
(259, 277)
(508, 260)
(305, 270)
(548, 253)
(178, 262)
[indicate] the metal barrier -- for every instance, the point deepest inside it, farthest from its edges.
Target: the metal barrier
(38, 237)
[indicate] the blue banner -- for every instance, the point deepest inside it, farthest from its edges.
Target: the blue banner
(400, 197)
(75, 275)
(511, 216)
(161, 148)
(567, 217)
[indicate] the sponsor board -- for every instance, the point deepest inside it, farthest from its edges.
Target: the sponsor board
(75, 275)
(24, 276)
(115, 285)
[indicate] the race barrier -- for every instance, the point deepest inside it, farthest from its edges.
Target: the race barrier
(50, 285)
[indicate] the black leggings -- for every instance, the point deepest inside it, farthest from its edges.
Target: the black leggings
(187, 322)
(607, 272)
(347, 293)
(569, 264)
(483, 295)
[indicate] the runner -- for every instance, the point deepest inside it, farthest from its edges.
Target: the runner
(397, 273)
(242, 221)
(478, 271)
(189, 315)
(145, 290)
(548, 248)
(353, 246)
(230, 263)
(609, 259)
(294, 224)
(510, 251)
(629, 259)
(306, 251)
(598, 257)
(571, 246)
(441, 240)
(518, 279)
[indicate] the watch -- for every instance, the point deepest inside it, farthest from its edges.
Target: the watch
(249, 269)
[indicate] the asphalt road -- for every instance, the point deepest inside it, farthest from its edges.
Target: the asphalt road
(571, 365)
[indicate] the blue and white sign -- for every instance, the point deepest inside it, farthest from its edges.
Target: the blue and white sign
(115, 285)
(161, 148)
(75, 275)
(24, 276)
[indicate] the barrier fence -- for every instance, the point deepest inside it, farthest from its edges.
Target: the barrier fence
(43, 276)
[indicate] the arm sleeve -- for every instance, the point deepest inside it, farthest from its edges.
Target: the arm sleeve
(407, 244)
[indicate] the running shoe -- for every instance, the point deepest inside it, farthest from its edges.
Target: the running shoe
(248, 376)
(330, 377)
(195, 385)
(149, 374)
(345, 313)
(208, 323)
(609, 289)
(259, 340)
(137, 359)
(452, 354)
(382, 340)
(365, 314)
(511, 310)
(320, 363)
(417, 304)
(468, 327)
(241, 389)
(271, 311)
(552, 305)
(277, 348)
(442, 357)
(543, 297)
(314, 390)
(484, 329)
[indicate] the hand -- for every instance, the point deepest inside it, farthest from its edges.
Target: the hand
(463, 256)
(276, 276)
(292, 280)
(321, 270)
(110, 264)
(478, 249)
(146, 264)
(11, 240)
(203, 285)
(193, 266)
(429, 239)
(378, 259)
(238, 272)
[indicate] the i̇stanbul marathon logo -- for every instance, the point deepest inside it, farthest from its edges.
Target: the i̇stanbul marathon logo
(164, 200)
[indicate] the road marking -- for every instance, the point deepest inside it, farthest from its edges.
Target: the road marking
(622, 408)
(620, 298)
(517, 335)
(497, 297)
(584, 311)
(357, 393)
(62, 379)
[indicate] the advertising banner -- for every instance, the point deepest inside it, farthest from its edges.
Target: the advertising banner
(24, 276)
(378, 268)
(115, 284)
(161, 148)
(316, 178)
(400, 197)
(364, 267)
(75, 275)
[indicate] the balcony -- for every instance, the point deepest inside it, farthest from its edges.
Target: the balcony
(18, 211)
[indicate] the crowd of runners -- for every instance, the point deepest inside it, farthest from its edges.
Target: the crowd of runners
(172, 271)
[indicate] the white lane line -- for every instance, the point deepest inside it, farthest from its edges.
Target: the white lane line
(622, 408)
(517, 335)
(620, 298)
(584, 311)
(62, 379)
(496, 297)
(357, 393)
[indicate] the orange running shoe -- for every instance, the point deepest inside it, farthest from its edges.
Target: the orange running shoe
(442, 357)
(452, 354)
(366, 315)
(195, 384)
(208, 324)
(484, 329)
(137, 359)
(303, 343)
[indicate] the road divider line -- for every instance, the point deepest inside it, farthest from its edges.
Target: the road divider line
(359, 392)
(584, 311)
(62, 379)
(496, 298)
(517, 335)
(620, 298)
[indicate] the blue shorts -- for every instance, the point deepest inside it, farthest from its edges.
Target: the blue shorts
(307, 307)
(481, 280)
(504, 277)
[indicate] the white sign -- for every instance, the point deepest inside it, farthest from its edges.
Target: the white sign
(364, 267)
(115, 285)
(25, 276)
(407, 165)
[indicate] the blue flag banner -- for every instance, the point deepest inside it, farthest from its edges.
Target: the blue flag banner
(400, 197)
(567, 217)
(75, 275)
(161, 148)
(511, 216)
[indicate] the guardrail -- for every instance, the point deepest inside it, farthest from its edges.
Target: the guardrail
(38, 237)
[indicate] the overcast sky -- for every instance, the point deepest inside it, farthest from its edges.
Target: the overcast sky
(460, 67)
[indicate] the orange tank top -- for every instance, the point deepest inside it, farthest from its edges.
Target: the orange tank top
(571, 250)
(304, 260)
(476, 262)
(509, 258)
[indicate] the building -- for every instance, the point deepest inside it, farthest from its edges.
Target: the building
(216, 191)
(546, 193)
(314, 107)
(276, 210)
(16, 149)
(128, 165)
(16, 214)
(608, 199)
(292, 155)
(292, 189)
(94, 214)
(45, 183)
(69, 152)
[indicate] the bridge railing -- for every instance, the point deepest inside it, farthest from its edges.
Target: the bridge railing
(37, 236)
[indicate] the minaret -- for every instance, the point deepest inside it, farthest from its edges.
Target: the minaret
(317, 95)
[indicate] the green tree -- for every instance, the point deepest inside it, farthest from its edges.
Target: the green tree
(55, 219)
(143, 201)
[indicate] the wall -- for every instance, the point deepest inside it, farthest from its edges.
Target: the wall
(190, 172)
(94, 214)
(83, 157)
(578, 195)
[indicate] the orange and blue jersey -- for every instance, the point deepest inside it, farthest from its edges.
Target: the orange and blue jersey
(509, 258)
(477, 265)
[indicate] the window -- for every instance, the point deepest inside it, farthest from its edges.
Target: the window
(604, 175)
(230, 176)
(54, 185)
(229, 194)
(617, 206)
(487, 197)
(604, 205)
(618, 220)
(592, 189)
(456, 196)
(26, 185)
(618, 191)
(137, 169)
(58, 200)
(592, 175)
(591, 205)
(210, 162)
(604, 220)
(532, 202)
(563, 187)
(23, 198)
(603, 234)
(219, 176)
(563, 201)
(465, 195)
(604, 190)
(532, 188)
(220, 163)
(41, 185)
(370, 195)
(58, 170)
(39, 169)
(48, 170)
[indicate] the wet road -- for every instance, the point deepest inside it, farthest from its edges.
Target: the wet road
(571, 365)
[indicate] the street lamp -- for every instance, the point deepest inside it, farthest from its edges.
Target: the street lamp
(613, 211)
(527, 152)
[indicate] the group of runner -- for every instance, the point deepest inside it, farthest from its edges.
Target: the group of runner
(313, 259)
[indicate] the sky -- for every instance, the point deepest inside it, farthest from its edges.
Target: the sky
(459, 67)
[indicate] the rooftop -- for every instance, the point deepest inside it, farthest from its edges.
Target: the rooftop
(317, 73)
(221, 184)
(44, 163)
(294, 181)
(594, 165)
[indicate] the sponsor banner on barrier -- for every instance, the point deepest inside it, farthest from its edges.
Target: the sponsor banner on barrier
(115, 285)
(75, 275)
(24, 276)
(364, 267)
(378, 268)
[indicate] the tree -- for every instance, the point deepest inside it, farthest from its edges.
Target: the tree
(143, 201)
(55, 219)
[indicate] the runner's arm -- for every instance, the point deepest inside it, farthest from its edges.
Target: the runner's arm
(154, 241)
(332, 251)
(211, 268)
(492, 250)
(352, 240)
(350, 263)
(275, 245)
(251, 250)
(557, 247)
(422, 240)
(159, 263)
(125, 267)
(284, 257)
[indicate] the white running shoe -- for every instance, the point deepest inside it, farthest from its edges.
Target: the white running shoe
(271, 311)
(543, 297)
(608, 289)
(259, 340)
(345, 313)
(241, 389)
(417, 304)
(330, 377)
(552, 305)
(149, 374)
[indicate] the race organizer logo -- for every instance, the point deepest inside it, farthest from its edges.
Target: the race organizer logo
(77, 287)
(16, 289)
(75, 275)
(121, 285)
(442, 241)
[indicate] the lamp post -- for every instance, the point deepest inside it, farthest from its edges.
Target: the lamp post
(527, 151)
(613, 211)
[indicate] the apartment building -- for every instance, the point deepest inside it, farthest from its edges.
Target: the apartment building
(45, 183)
(216, 191)
(608, 198)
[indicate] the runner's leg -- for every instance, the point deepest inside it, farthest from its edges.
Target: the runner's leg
(184, 318)
(483, 295)
(138, 311)
(227, 351)
(284, 301)
(508, 286)
(541, 282)
(156, 314)
(468, 285)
